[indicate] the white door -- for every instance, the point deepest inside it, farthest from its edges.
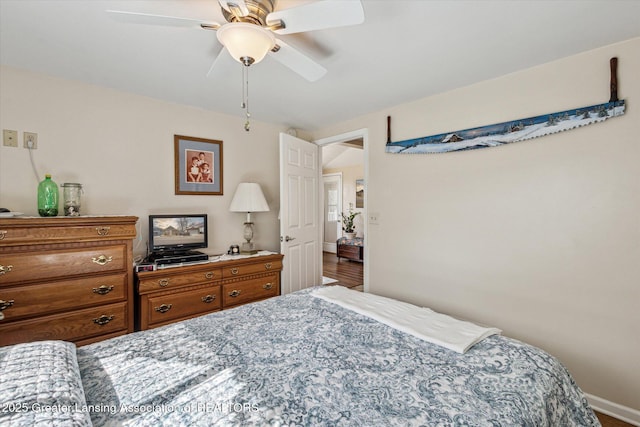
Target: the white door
(299, 214)
(332, 208)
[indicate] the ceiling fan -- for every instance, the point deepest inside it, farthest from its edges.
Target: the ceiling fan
(248, 34)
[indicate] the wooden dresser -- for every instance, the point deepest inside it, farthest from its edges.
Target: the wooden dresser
(177, 293)
(67, 278)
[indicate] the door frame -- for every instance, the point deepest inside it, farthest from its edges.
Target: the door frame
(344, 137)
(331, 246)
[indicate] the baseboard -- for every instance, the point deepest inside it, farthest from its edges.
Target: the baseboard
(623, 413)
(329, 247)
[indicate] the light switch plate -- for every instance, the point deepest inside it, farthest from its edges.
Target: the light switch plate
(9, 138)
(374, 218)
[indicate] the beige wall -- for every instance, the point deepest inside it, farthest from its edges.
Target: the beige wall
(539, 238)
(120, 147)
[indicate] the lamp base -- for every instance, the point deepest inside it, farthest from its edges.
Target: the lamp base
(248, 248)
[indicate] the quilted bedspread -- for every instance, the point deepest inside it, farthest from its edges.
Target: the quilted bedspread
(301, 360)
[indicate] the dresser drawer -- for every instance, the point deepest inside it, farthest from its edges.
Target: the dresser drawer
(29, 266)
(160, 281)
(255, 268)
(162, 309)
(44, 298)
(70, 326)
(65, 233)
(250, 290)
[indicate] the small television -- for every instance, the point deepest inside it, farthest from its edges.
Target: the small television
(177, 233)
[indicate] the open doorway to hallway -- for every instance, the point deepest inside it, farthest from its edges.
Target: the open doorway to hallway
(344, 195)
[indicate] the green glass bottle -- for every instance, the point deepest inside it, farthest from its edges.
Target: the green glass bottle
(48, 197)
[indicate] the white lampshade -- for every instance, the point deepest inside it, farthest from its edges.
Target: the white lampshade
(244, 40)
(248, 198)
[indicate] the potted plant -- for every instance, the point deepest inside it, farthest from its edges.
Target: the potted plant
(347, 224)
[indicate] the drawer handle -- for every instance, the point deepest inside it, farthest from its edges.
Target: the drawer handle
(267, 266)
(208, 275)
(5, 269)
(208, 298)
(163, 283)
(102, 290)
(163, 308)
(234, 293)
(235, 271)
(5, 304)
(267, 286)
(103, 231)
(102, 260)
(3, 234)
(103, 320)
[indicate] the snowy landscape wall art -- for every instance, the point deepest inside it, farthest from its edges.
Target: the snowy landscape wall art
(508, 132)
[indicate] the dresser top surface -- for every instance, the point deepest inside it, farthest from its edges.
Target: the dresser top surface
(55, 221)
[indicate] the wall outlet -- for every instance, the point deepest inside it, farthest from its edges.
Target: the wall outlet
(9, 138)
(30, 140)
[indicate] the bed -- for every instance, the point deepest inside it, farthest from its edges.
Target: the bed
(299, 359)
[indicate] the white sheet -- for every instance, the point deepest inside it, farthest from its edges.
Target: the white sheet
(421, 322)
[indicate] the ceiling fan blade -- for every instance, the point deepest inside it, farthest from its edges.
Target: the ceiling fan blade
(221, 54)
(318, 15)
(298, 62)
(232, 6)
(170, 21)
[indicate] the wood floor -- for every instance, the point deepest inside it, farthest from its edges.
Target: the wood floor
(350, 274)
(608, 421)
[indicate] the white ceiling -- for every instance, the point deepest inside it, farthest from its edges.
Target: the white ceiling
(338, 156)
(404, 51)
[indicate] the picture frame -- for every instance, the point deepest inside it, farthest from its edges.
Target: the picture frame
(359, 193)
(198, 166)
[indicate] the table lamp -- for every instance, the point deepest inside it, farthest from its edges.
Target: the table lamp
(248, 198)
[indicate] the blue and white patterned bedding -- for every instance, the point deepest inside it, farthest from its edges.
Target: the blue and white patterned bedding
(300, 360)
(40, 385)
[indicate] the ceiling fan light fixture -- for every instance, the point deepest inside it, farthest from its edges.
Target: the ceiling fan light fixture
(247, 43)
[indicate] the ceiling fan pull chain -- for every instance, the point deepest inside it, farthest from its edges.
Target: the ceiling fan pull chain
(242, 104)
(246, 100)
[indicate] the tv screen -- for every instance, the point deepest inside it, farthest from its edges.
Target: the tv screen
(177, 233)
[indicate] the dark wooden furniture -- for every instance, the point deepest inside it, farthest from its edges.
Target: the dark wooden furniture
(176, 293)
(66, 278)
(350, 248)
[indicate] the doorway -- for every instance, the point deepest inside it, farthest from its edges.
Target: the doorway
(332, 207)
(355, 142)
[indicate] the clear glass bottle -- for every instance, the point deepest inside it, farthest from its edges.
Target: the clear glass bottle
(48, 197)
(71, 195)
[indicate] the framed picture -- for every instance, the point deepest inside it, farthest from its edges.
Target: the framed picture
(198, 165)
(359, 193)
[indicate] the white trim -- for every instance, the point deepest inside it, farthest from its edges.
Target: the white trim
(330, 247)
(333, 247)
(623, 413)
(343, 137)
